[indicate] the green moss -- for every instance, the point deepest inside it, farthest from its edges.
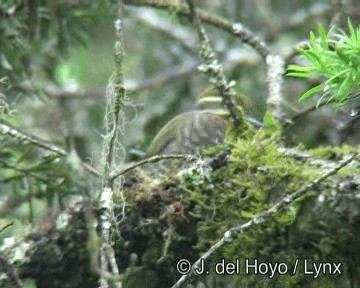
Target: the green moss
(256, 176)
(242, 130)
(336, 153)
(333, 152)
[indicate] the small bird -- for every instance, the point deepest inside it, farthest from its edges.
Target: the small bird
(187, 132)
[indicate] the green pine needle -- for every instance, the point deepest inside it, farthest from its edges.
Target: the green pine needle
(335, 57)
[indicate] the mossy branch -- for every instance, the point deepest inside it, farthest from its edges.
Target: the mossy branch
(262, 217)
(115, 103)
(110, 151)
(213, 68)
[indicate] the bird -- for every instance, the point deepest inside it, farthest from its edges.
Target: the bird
(186, 133)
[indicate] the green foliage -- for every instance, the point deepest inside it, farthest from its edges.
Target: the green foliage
(241, 131)
(232, 196)
(270, 122)
(335, 57)
(36, 36)
(32, 181)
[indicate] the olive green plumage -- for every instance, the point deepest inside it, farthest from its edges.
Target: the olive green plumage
(188, 131)
(203, 127)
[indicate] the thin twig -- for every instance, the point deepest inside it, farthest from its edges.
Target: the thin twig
(261, 218)
(309, 109)
(8, 129)
(23, 137)
(305, 157)
(305, 44)
(213, 68)
(165, 77)
(181, 35)
(152, 159)
(300, 17)
(235, 29)
(302, 45)
(170, 235)
(6, 226)
(337, 9)
(25, 171)
(133, 86)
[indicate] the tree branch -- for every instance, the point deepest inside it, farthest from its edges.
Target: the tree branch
(6, 226)
(235, 29)
(7, 129)
(261, 218)
(152, 159)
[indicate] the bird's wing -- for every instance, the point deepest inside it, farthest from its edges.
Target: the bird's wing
(168, 133)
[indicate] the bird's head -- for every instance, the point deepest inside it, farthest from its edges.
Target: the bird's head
(210, 100)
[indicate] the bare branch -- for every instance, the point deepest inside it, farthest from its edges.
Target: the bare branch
(179, 34)
(275, 72)
(6, 226)
(152, 159)
(300, 17)
(243, 34)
